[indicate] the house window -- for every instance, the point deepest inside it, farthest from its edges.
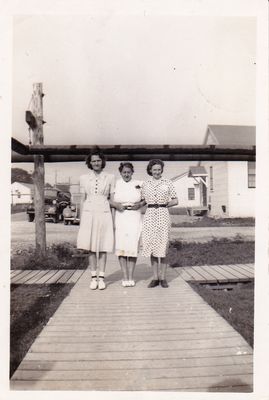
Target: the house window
(211, 178)
(251, 174)
(191, 194)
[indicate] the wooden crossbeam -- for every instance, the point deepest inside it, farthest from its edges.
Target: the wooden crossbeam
(69, 153)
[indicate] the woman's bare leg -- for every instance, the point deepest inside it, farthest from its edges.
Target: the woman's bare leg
(93, 269)
(132, 263)
(102, 268)
(154, 264)
(163, 268)
(123, 265)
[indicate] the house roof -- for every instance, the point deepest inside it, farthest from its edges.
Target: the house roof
(175, 178)
(231, 135)
(65, 187)
(197, 171)
(29, 185)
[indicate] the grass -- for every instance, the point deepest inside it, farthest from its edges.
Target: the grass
(31, 308)
(180, 254)
(236, 306)
(205, 221)
(217, 251)
(58, 256)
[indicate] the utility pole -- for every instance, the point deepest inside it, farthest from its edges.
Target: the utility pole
(39, 172)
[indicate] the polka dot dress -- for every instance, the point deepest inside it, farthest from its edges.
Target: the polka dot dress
(156, 223)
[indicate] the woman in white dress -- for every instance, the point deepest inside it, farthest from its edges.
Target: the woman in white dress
(159, 194)
(128, 221)
(96, 225)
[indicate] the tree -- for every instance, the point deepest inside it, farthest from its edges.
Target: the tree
(20, 175)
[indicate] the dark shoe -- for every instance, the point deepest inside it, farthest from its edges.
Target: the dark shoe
(164, 283)
(153, 283)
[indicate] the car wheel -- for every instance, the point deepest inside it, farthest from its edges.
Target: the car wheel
(31, 217)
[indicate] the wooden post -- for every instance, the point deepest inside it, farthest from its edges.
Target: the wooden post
(39, 173)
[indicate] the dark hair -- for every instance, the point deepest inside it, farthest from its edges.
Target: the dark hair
(95, 152)
(126, 164)
(155, 161)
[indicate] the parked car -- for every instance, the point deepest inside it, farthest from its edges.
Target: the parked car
(71, 214)
(55, 202)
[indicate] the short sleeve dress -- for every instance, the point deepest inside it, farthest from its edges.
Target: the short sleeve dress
(128, 223)
(96, 226)
(157, 223)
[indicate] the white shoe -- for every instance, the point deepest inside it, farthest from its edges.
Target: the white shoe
(124, 283)
(101, 284)
(131, 283)
(93, 284)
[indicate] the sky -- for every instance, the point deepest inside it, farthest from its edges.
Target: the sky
(132, 79)
(144, 80)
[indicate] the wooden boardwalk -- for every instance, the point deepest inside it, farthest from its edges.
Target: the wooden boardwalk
(136, 339)
(202, 274)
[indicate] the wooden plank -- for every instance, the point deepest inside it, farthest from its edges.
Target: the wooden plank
(47, 276)
(75, 277)
(126, 338)
(27, 277)
(170, 384)
(37, 277)
(241, 270)
(67, 274)
(237, 351)
(15, 272)
(234, 273)
(139, 346)
(210, 270)
(186, 274)
(133, 364)
(208, 277)
(219, 274)
(20, 276)
(144, 373)
(196, 276)
(165, 332)
(183, 273)
(249, 268)
(54, 278)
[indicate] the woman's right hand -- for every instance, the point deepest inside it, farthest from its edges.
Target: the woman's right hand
(120, 207)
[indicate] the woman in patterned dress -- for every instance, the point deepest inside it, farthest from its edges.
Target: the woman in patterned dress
(128, 221)
(96, 226)
(159, 194)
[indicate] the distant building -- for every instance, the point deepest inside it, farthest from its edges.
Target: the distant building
(231, 184)
(21, 193)
(191, 188)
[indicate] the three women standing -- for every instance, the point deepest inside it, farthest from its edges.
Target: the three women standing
(127, 197)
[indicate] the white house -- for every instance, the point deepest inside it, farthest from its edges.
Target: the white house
(231, 184)
(191, 188)
(21, 193)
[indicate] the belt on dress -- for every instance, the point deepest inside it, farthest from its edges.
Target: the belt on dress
(156, 205)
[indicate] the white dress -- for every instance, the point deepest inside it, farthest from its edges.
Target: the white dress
(128, 223)
(96, 225)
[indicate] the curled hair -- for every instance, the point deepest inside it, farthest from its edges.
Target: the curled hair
(155, 161)
(95, 152)
(126, 164)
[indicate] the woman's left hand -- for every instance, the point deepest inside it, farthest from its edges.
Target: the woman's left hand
(135, 206)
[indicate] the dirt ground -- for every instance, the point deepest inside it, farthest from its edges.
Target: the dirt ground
(23, 232)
